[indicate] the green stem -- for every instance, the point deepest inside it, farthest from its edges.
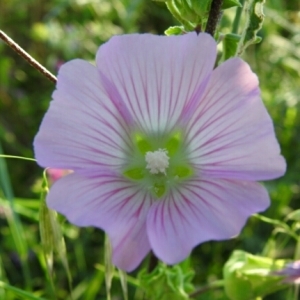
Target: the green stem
(17, 157)
(211, 286)
(237, 19)
(14, 223)
(19, 292)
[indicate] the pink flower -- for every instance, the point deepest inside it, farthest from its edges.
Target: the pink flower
(55, 174)
(291, 272)
(165, 149)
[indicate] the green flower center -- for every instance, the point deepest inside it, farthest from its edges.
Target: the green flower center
(158, 162)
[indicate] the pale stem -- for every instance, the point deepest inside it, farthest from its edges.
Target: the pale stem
(13, 45)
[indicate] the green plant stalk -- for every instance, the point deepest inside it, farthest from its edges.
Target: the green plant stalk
(211, 286)
(237, 19)
(19, 292)
(17, 157)
(14, 222)
(115, 274)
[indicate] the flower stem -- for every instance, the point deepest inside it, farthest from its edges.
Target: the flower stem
(214, 285)
(17, 157)
(12, 44)
(214, 16)
(237, 19)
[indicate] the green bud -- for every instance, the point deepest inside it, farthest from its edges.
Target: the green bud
(248, 276)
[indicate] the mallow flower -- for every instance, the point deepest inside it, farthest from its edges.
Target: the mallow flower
(165, 149)
(291, 272)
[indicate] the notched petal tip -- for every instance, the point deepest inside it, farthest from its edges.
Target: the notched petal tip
(201, 211)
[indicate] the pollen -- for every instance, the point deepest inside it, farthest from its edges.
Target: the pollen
(157, 161)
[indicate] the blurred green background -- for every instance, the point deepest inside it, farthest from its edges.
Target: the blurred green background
(59, 30)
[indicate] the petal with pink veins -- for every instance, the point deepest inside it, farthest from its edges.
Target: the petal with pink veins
(110, 203)
(200, 211)
(231, 134)
(82, 130)
(156, 76)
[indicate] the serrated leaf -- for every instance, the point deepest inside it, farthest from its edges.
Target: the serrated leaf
(174, 30)
(230, 44)
(255, 18)
(166, 283)
(178, 13)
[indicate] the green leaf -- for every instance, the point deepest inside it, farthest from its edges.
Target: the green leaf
(176, 12)
(230, 3)
(187, 11)
(166, 283)
(52, 238)
(19, 292)
(202, 8)
(255, 18)
(175, 30)
(230, 44)
(295, 215)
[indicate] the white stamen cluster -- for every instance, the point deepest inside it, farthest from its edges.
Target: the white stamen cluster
(157, 161)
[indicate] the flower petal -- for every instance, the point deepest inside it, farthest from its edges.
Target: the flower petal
(110, 203)
(156, 76)
(82, 129)
(202, 210)
(231, 134)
